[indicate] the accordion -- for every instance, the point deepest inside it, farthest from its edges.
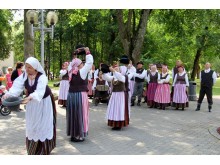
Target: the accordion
(102, 88)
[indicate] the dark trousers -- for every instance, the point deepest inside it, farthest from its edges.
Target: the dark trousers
(138, 91)
(208, 91)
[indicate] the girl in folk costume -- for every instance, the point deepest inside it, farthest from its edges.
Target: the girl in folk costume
(152, 79)
(118, 111)
(77, 114)
(64, 84)
(162, 94)
(90, 81)
(8, 81)
(40, 109)
(180, 84)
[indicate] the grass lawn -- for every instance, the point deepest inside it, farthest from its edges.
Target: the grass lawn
(51, 82)
(216, 87)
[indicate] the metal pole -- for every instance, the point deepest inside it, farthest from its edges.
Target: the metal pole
(42, 38)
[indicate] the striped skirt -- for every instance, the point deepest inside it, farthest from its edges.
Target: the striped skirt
(162, 94)
(77, 114)
(45, 147)
(179, 94)
(151, 91)
(63, 91)
(118, 113)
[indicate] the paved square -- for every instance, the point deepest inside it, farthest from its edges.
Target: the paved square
(151, 132)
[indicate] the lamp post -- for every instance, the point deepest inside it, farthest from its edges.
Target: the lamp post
(52, 18)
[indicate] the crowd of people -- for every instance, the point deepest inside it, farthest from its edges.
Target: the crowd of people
(122, 83)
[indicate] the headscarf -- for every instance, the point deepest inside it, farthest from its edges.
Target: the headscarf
(35, 64)
(73, 67)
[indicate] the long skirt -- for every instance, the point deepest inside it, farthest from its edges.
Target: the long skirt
(90, 92)
(45, 147)
(162, 94)
(63, 92)
(151, 93)
(131, 86)
(118, 113)
(180, 98)
(77, 114)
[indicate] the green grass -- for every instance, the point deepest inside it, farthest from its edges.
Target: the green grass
(51, 82)
(216, 87)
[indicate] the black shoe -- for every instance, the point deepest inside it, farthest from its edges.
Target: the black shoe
(116, 128)
(73, 139)
(210, 107)
(197, 109)
(132, 104)
(138, 104)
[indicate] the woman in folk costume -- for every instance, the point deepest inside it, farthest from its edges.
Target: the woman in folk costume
(8, 81)
(118, 111)
(180, 84)
(152, 79)
(90, 81)
(162, 94)
(64, 84)
(77, 114)
(40, 109)
(126, 69)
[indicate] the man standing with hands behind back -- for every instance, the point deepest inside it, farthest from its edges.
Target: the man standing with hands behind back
(207, 78)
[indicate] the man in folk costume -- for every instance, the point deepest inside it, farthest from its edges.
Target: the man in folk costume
(152, 79)
(162, 94)
(77, 100)
(64, 84)
(40, 109)
(180, 84)
(140, 75)
(90, 81)
(207, 80)
(118, 111)
(100, 94)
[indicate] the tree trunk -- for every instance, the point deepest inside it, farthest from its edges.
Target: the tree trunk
(196, 63)
(28, 39)
(132, 40)
(198, 54)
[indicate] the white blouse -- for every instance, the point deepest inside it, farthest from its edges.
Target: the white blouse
(186, 78)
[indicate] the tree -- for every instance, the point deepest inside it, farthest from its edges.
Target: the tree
(5, 33)
(132, 30)
(28, 39)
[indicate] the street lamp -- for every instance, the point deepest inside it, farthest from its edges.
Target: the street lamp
(52, 18)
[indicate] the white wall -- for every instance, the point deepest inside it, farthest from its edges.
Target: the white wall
(7, 62)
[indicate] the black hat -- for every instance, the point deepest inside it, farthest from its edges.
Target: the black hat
(140, 62)
(82, 52)
(124, 59)
(105, 68)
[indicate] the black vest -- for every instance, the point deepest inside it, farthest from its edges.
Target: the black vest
(139, 79)
(77, 84)
(207, 79)
(65, 77)
(31, 89)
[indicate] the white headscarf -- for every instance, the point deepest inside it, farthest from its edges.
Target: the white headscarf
(35, 64)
